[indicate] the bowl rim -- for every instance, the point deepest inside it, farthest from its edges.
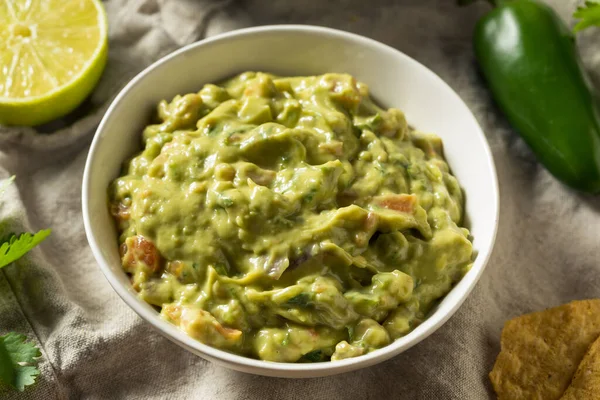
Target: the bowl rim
(261, 367)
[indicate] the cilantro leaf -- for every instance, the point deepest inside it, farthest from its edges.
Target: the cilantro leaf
(18, 361)
(15, 248)
(25, 376)
(588, 15)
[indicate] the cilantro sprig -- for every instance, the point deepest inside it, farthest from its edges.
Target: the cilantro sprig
(15, 246)
(588, 15)
(18, 358)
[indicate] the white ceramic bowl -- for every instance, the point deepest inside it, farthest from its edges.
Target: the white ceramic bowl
(395, 80)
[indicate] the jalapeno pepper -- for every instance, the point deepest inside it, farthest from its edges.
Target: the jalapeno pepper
(529, 58)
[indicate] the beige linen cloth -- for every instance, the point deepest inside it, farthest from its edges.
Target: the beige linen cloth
(95, 347)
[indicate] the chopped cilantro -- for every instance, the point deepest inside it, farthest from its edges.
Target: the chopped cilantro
(301, 300)
(221, 268)
(212, 129)
(350, 331)
(310, 195)
(314, 356)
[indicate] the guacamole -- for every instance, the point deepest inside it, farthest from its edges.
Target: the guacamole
(289, 219)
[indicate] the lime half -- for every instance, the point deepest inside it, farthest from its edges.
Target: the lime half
(52, 53)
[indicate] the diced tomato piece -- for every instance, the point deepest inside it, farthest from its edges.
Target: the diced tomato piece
(398, 202)
(138, 249)
(227, 333)
(120, 211)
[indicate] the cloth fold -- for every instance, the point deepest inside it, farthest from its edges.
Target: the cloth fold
(95, 347)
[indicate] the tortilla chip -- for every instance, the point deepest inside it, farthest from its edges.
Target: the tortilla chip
(541, 351)
(586, 382)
